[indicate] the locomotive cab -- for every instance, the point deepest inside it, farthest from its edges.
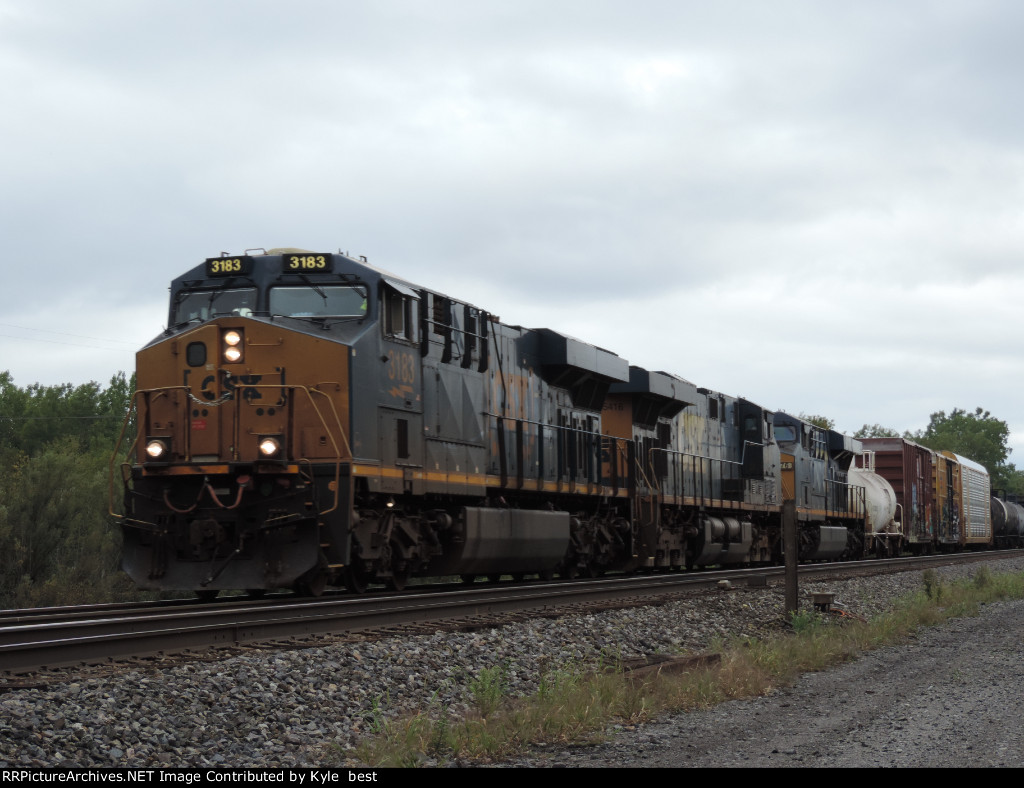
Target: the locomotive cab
(242, 472)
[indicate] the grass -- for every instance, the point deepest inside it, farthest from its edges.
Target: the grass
(574, 705)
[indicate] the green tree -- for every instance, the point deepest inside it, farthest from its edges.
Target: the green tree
(57, 544)
(875, 431)
(33, 417)
(978, 436)
(819, 421)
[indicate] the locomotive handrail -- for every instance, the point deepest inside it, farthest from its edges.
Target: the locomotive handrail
(132, 408)
(595, 441)
(743, 454)
(642, 472)
(703, 480)
(856, 507)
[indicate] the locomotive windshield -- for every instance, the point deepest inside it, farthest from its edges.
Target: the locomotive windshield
(206, 304)
(785, 433)
(318, 301)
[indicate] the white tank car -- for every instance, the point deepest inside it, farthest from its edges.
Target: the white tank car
(883, 530)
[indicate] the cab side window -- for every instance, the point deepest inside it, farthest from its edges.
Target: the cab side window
(400, 315)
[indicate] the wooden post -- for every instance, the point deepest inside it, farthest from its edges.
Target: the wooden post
(791, 548)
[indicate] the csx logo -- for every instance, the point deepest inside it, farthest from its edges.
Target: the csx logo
(229, 385)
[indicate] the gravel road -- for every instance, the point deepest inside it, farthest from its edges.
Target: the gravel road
(951, 698)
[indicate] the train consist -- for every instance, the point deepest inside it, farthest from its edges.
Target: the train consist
(310, 420)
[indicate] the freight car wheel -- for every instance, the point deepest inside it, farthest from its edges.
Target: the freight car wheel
(207, 594)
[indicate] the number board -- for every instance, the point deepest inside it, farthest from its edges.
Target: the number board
(307, 263)
(228, 266)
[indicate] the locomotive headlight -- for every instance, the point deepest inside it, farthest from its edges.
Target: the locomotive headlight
(270, 446)
(233, 345)
(156, 448)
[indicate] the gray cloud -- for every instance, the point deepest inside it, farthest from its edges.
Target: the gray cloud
(757, 196)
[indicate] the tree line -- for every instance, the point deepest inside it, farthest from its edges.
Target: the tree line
(57, 542)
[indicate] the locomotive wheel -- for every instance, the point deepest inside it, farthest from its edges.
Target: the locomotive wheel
(356, 580)
(314, 582)
(314, 585)
(399, 569)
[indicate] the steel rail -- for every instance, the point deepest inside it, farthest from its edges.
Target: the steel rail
(91, 636)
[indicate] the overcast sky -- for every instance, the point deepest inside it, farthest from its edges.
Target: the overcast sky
(816, 205)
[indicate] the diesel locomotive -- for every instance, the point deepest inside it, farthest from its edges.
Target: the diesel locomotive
(308, 419)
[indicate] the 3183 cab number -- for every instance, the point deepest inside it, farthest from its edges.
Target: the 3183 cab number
(307, 262)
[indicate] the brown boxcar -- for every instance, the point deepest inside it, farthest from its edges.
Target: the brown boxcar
(907, 466)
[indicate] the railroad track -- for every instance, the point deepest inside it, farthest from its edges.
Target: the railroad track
(50, 638)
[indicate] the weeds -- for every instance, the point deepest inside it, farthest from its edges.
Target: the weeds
(804, 621)
(488, 689)
(574, 705)
(932, 585)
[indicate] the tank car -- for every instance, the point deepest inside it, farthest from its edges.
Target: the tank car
(883, 526)
(308, 419)
(1007, 523)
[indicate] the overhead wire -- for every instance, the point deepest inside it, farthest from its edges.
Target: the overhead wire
(129, 345)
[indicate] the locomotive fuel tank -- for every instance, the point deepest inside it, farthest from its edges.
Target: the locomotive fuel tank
(723, 540)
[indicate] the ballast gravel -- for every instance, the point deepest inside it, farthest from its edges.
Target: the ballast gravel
(951, 697)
